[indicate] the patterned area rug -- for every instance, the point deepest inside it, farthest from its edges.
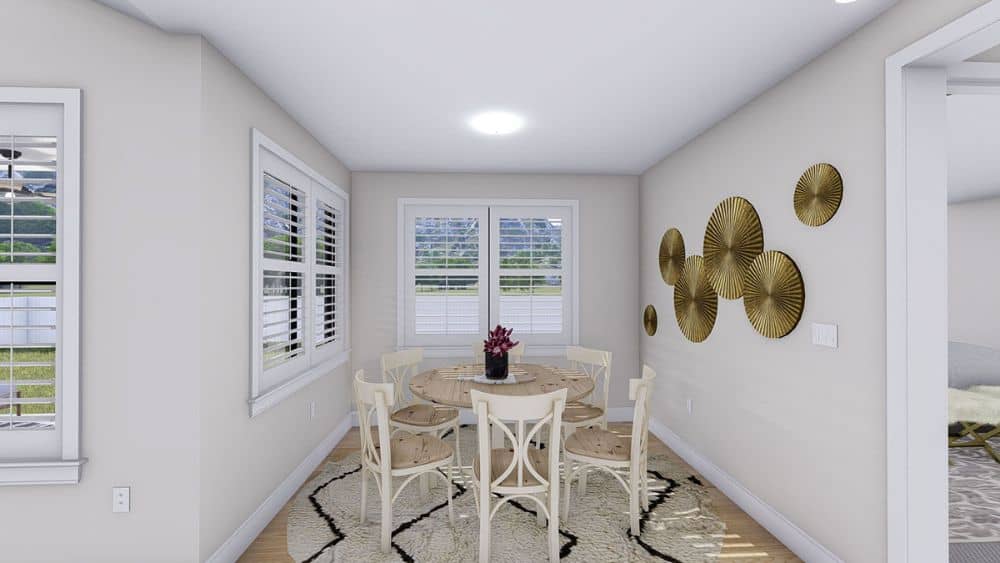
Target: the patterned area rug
(323, 524)
(973, 495)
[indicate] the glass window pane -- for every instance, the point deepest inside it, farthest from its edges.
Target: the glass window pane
(27, 355)
(28, 199)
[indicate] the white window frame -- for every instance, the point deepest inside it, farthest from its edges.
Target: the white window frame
(64, 469)
(316, 364)
(405, 275)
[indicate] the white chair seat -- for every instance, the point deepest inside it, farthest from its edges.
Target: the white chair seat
(599, 444)
(500, 459)
(581, 412)
(424, 415)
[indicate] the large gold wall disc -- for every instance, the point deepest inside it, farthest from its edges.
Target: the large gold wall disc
(695, 301)
(671, 255)
(733, 238)
(649, 320)
(818, 194)
(773, 294)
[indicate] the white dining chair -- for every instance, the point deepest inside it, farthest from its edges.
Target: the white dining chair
(623, 457)
(515, 355)
(411, 414)
(517, 471)
(408, 456)
(591, 410)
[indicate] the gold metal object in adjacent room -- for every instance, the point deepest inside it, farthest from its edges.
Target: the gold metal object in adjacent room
(733, 238)
(671, 256)
(695, 301)
(649, 320)
(773, 294)
(818, 194)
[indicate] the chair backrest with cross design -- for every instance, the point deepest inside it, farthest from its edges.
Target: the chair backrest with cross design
(596, 364)
(398, 368)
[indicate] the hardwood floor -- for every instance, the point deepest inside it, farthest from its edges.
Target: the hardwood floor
(745, 539)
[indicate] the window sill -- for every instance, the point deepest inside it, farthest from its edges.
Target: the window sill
(274, 396)
(55, 472)
(533, 351)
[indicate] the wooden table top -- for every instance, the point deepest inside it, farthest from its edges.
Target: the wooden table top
(441, 385)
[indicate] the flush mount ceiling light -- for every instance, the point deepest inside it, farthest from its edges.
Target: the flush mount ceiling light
(496, 122)
(844, 1)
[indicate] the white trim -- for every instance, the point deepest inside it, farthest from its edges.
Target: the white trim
(794, 538)
(260, 399)
(915, 487)
(236, 544)
(274, 396)
(67, 468)
(40, 472)
(450, 351)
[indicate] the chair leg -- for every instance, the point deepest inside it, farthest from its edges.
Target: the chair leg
(633, 505)
(458, 448)
(451, 511)
(644, 481)
(386, 513)
(484, 528)
(554, 524)
(540, 514)
(566, 492)
(364, 495)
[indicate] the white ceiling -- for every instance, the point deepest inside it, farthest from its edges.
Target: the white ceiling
(605, 87)
(973, 147)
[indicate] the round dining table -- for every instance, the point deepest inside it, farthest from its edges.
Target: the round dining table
(452, 386)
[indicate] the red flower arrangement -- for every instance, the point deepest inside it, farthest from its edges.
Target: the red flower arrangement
(499, 342)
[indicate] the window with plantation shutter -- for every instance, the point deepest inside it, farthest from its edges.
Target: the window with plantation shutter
(39, 285)
(299, 275)
(467, 265)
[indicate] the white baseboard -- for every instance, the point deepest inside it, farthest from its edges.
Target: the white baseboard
(236, 544)
(465, 416)
(775, 522)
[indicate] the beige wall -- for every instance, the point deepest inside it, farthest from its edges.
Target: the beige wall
(244, 459)
(140, 335)
(608, 236)
(798, 425)
(973, 272)
(166, 264)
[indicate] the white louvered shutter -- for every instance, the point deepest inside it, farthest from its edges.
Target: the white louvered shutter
(285, 228)
(446, 286)
(328, 276)
(530, 269)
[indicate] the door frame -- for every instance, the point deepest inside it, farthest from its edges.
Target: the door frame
(916, 79)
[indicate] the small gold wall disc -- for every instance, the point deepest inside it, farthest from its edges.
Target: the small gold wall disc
(671, 256)
(733, 238)
(818, 194)
(649, 320)
(773, 294)
(695, 301)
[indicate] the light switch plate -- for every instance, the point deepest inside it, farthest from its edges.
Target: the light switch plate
(121, 499)
(825, 335)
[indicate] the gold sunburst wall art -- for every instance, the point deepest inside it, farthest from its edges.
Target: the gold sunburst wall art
(695, 301)
(649, 320)
(774, 294)
(818, 194)
(671, 256)
(733, 239)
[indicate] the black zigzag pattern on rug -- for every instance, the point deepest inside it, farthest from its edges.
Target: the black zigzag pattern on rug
(657, 500)
(337, 534)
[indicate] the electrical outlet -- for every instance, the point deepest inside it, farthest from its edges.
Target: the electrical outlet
(121, 500)
(690, 405)
(312, 409)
